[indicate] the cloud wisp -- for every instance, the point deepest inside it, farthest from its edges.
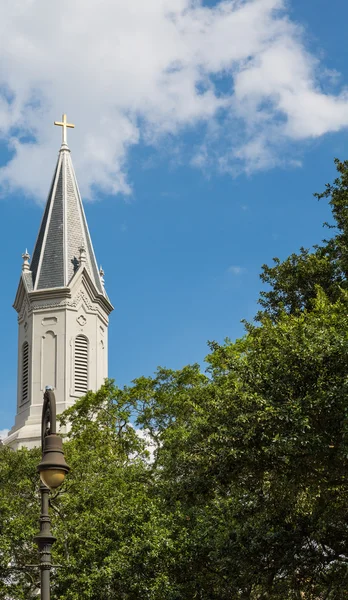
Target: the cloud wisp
(236, 270)
(137, 72)
(3, 433)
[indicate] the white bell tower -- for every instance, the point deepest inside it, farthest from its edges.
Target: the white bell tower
(63, 309)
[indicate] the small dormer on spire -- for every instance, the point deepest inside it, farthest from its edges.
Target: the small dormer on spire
(26, 259)
(82, 257)
(101, 273)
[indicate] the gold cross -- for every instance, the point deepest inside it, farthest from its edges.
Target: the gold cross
(64, 124)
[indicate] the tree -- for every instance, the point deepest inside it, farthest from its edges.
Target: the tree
(293, 282)
(112, 531)
(256, 457)
(19, 511)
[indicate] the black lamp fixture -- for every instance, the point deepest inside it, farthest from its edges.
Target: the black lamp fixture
(52, 469)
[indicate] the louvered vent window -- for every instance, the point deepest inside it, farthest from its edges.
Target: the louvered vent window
(81, 364)
(25, 372)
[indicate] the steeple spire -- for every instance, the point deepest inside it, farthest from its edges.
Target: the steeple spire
(63, 231)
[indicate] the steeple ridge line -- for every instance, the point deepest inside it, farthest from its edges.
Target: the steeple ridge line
(45, 226)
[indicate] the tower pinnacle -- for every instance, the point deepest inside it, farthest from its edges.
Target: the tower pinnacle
(26, 259)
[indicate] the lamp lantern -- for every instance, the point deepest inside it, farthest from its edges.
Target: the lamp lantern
(52, 469)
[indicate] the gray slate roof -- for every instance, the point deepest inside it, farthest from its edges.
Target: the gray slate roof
(63, 231)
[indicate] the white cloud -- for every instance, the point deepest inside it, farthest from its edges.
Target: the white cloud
(3, 433)
(135, 71)
(151, 447)
(236, 270)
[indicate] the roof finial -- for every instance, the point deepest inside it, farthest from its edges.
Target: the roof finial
(63, 123)
(83, 257)
(26, 259)
(101, 273)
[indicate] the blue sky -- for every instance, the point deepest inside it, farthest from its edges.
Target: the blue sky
(182, 214)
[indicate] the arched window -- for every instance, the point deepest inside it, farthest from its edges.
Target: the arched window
(25, 372)
(81, 364)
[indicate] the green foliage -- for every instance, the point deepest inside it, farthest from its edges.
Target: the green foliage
(111, 529)
(19, 511)
(258, 458)
(292, 283)
(246, 495)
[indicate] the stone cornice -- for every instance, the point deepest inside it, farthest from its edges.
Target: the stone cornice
(50, 294)
(20, 295)
(63, 298)
(39, 295)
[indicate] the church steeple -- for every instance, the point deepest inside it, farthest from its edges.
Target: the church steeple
(63, 231)
(63, 309)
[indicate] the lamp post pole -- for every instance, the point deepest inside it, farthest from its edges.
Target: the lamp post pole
(52, 469)
(45, 540)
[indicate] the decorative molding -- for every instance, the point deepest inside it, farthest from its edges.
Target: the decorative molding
(72, 359)
(47, 293)
(83, 277)
(37, 307)
(73, 305)
(49, 321)
(42, 299)
(21, 295)
(55, 362)
(25, 310)
(81, 320)
(82, 296)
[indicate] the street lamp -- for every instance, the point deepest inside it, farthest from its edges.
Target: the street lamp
(52, 469)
